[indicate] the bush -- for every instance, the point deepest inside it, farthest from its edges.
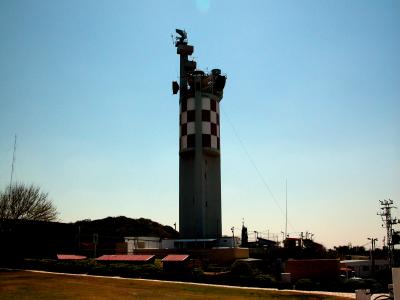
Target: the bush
(197, 272)
(99, 269)
(351, 285)
(125, 270)
(41, 264)
(158, 263)
(374, 285)
(149, 270)
(264, 280)
(75, 266)
(305, 284)
(94, 268)
(242, 269)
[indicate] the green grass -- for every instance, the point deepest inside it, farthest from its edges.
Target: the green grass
(27, 285)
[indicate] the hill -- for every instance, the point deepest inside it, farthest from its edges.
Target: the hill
(119, 227)
(24, 238)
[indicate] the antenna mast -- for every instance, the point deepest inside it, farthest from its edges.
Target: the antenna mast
(12, 168)
(13, 162)
(388, 222)
(286, 213)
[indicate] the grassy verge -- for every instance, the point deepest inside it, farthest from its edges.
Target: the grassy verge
(28, 285)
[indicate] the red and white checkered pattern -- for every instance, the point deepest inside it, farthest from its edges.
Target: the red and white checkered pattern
(210, 124)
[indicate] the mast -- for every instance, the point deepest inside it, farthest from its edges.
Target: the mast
(286, 213)
(13, 162)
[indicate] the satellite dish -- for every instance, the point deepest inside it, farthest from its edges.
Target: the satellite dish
(175, 87)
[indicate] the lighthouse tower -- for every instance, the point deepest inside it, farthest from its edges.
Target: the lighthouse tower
(200, 95)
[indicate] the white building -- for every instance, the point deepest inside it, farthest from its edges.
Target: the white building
(229, 242)
(152, 242)
(362, 268)
(142, 242)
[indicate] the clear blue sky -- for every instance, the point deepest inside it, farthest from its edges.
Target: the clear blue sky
(313, 95)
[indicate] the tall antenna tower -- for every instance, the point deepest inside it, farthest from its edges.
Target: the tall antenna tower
(286, 214)
(388, 222)
(13, 162)
(12, 169)
(200, 95)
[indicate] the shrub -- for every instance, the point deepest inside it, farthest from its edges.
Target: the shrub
(351, 285)
(305, 284)
(241, 268)
(264, 280)
(158, 263)
(99, 269)
(198, 271)
(374, 285)
(149, 270)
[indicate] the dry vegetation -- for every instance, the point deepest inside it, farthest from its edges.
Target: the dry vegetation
(29, 285)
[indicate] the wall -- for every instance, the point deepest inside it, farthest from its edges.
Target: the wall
(227, 241)
(318, 269)
(396, 283)
(142, 242)
(362, 268)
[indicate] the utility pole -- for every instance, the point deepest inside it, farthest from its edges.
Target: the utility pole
(388, 222)
(372, 258)
(286, 212)
(79, 239)
(233, 236)
(13, 165)
(95, 241)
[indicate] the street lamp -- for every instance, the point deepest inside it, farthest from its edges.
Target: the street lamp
(373, 240)
(233, 236)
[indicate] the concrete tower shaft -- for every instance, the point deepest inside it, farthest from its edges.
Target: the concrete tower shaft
(199, 146)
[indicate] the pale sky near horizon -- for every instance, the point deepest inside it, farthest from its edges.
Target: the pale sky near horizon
(312, 96)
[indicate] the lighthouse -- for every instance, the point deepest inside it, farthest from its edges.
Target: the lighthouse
(200, 95)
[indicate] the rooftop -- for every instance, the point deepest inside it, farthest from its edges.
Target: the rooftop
(175, 257)
(129, 257)
(70, 257)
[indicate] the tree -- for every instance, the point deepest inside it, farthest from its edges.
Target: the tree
(26, 202)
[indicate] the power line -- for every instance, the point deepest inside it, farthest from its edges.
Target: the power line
(12, 167)
(255, 166)
(13, 160)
